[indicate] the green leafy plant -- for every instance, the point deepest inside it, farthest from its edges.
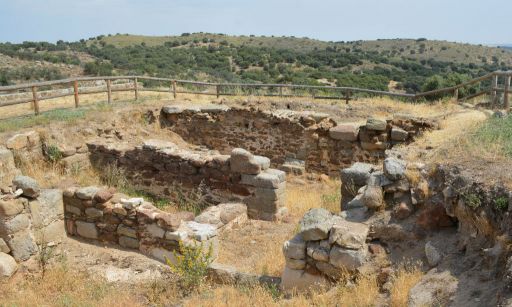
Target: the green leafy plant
(53, 153)
(501, 203)
(191, 264)
(472, 200)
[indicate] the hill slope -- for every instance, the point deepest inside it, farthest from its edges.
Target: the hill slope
(409, 65)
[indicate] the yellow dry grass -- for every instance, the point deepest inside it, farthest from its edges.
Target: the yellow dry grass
(301, 198)
(405, 278)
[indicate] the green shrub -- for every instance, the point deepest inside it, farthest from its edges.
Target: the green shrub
(53, 153)
(501, 203)
(191, 264)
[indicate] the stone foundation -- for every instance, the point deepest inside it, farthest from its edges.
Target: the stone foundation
(157, 165)
(324, 145)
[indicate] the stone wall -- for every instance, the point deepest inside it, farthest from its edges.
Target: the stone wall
(101, 214)
(157, 165)
(29, 216)
(324, 145)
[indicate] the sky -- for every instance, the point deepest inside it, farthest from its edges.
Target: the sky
(472, 21)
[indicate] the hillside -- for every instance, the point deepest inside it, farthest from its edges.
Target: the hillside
(409, 65)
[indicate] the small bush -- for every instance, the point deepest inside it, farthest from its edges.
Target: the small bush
(472, 200)
(501, 203)
(191, 264)
(53, 153)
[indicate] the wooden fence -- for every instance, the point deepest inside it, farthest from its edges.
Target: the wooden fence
(176, 87)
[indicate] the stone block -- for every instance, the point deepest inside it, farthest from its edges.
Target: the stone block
(16, 224)
(345, 132)
(376, 124)
(22, 246)
(123, 230)
(163, 255)
(93, 213)
(87, 230)
(8, 265)
(4, 248)
(129, 242)
(17, 142)
(315, 224)
(201, 232)
(7, 167)
(347, 258)
(270, 178)
(394, 168)
(12, 207)
(348, 234)
(73, 210)
(244, 162)
(29, 186)
(399, 135)
(295, 248)
(86, 193)
(47, 208)
(301, 281)
(155, 231)
(295, 264)
(54, 232)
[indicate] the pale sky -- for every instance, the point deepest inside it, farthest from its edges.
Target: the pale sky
(474, 21)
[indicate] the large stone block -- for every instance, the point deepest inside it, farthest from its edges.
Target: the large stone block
(244, 162)
(347, 258)
(315, 224)
(376, 124)
(22, 246)
(29, 186)
(348, 234)
(344, 132)
(129, 242)
(123, 230)
(47, 208)
(8, 265)
(295, 248)
(270, 178)
(14, 225)
(12, 207)
(299, 281)
(394, 168)
(86, 193)
(357, 174)
(54, 232)
(87, 230)
(7, 167)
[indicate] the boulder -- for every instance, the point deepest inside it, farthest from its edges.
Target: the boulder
(231, 211)
(376, 124)
(155, 231)
(344, 132)
(12, 207)
(373, 197)
(210, 215)
(315, 224)
(3, 247)
(18, 223)
(399, 135)
(357, 174)
(394, 168)
(244, 162)
(29, 186)
(295, 248)
(8, 265)
(434, 289)
(347, 258)
(87, 230)
(86, 193)
(93, 213)
(47, 208)
(299, 281)
(22, 246)
(432, 254)
(348, 234)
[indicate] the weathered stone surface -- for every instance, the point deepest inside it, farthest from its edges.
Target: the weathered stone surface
(129, 242)
(22, 246)
(87, 193)
(434, 289)
(398, 134)
(11, 207)
(168, 221)
(231, 211)
(102, 196)
(317, 252)
(54, 232)
(93, 213)
(118, 209)
(16, 224)
(3, 247)
(345, 132)
(201, 232)
(348, 234)
(47, 208)
(295, 248)
(8, 265)
(210, 215)
(157, 144)
(29, 186)
(155, 231)
(244, 162)
(315, 224)
(132, 203)
(7, 167)
(295, 264)
(298, 280)
(394, 168)
(87, 230)
(432, 254)
(270, 178)
(172, 109)
(373, 197)
(357, 175)
(123, 230)
(17, 142)
(163, 255)
(376, 124)
(347, 258)
(73, 210)
(329, 270)
(76, 162)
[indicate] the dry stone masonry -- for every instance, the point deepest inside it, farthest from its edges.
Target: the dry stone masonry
(157, 165)
(101, 214)
(283, 135)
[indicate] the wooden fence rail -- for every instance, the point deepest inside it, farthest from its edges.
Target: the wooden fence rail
(221, 89)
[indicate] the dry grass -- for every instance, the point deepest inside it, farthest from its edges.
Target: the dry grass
(62, 287)
(301, 198)
(405, 278)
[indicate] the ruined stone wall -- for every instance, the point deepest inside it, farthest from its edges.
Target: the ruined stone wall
(324, 145)
(101, 214)
(157, 166)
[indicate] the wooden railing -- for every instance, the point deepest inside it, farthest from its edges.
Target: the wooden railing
(176, 87)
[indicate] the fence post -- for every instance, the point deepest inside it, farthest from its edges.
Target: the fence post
(109, 91)
(494, 85)
(75, 90)
(34, 100)
(136, 89)
(347, 96)
(281, 91)
(174, 88)
(217, 88)
(505, 93)
(456, 95)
